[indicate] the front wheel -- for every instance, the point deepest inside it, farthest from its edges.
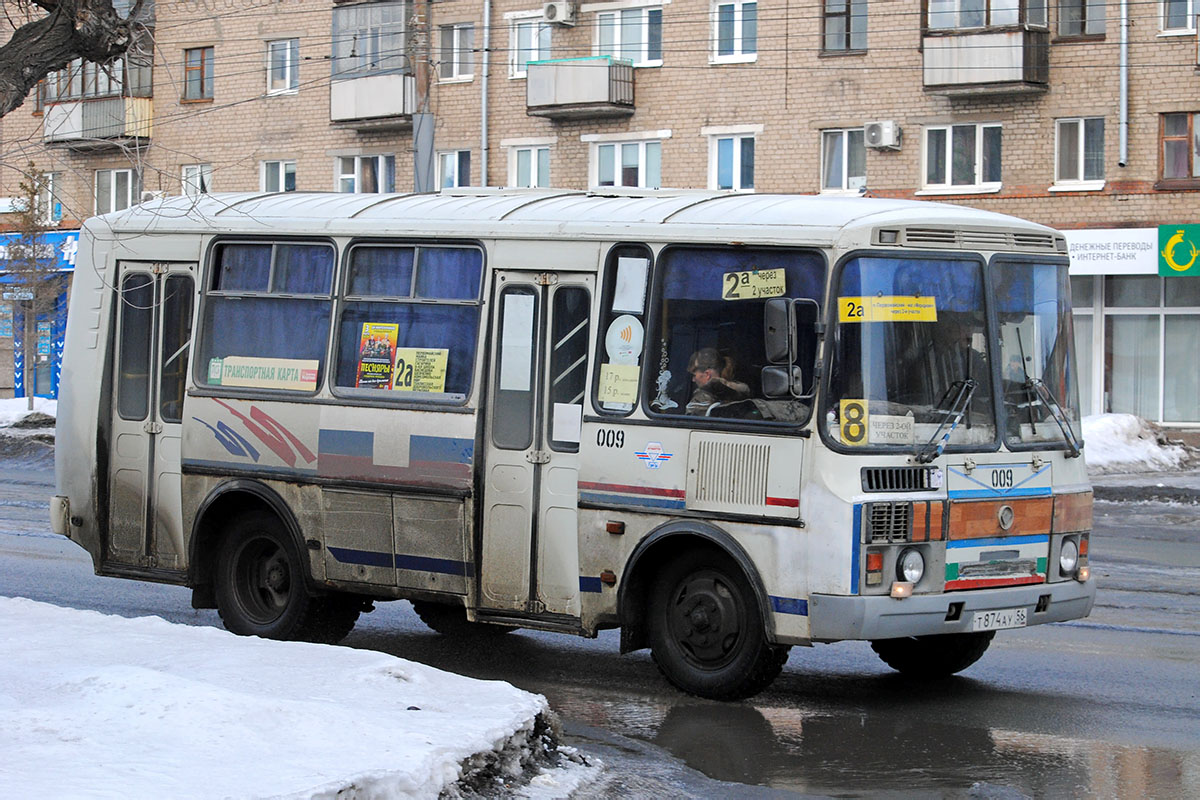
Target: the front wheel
(706, 629)
(933, 656)
(260, 587)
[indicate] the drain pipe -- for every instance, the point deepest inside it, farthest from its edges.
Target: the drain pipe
(483, 89)
(1123, 154)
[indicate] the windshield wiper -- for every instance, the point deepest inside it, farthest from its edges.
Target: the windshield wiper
(1056, 411)
(964, 391)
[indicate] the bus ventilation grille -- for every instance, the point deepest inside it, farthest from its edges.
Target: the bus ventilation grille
(897, 479)
(982, 240)
(732, 474)
(889, 523)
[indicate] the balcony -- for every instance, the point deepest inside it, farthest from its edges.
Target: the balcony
(579, 88)
(987, 62)
(99, 123)
(373, 102)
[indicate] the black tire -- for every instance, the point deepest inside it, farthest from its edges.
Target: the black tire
(706, 629)
(261, 590)
(933, 656)
(452, 621)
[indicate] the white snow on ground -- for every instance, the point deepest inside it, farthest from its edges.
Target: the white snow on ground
(13, 410)
(97, 706)
(1125, 443)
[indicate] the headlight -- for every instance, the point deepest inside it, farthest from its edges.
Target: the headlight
(1068, 556)
(911, 566)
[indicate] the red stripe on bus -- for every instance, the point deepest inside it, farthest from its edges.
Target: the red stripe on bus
(617, 487)
(984, 583)
(789, 502)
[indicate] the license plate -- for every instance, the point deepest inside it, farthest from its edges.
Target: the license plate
(999, 619)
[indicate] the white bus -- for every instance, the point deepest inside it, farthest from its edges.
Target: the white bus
(726, 424)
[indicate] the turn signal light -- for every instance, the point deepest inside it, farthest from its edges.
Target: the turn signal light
(1083, 574)
(901, 590)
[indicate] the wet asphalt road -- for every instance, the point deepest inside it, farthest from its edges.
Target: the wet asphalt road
(1104, 707)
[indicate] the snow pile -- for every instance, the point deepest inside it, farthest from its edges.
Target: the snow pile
(15, 411)
(100, 706)
(1125, 443)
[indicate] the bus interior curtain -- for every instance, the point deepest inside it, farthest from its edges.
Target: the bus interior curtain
(698, 274)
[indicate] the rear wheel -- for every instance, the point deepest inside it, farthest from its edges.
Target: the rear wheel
(452, 621)
(933, 656)
(261, 591)
(706, 629)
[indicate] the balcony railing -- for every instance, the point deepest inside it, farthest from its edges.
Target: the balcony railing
(579, 88)
(978, 62)
(98, 123)
(373, 102)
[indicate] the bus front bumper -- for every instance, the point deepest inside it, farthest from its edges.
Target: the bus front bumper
(837, 617)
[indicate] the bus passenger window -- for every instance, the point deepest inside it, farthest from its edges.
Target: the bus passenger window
(568, 365)
(410, 322)
(622, 329)
(176, 334)
(136, 300)
(710, 351)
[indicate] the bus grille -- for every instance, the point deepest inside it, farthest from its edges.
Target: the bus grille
(972, 239)
(732, 473)
(888, 523)
(897, 479)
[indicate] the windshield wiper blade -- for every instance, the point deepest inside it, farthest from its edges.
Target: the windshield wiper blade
(1056, 411)
(962, 398)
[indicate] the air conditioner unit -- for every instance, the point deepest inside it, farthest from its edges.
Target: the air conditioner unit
(883, 135)
(559, 12)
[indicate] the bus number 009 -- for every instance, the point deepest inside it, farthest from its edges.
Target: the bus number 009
(1002, 478)
(608, 437)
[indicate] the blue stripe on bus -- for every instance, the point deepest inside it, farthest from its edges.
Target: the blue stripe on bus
(346, 443)
(998, 541)
(587, 583)
(789, 605)
(631, 500)
(441, 448)
(236, 467)
(1016, 493)
(370, 558)
(857, 534)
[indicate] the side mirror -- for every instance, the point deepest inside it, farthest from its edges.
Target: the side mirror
(778, 324)
(782, 382)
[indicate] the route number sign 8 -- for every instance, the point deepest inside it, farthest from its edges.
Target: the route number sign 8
(854, 422)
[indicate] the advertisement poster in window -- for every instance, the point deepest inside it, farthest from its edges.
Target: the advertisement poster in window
(421, 369)
(376, 354)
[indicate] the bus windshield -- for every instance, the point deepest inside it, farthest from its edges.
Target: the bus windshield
(910, 365)
(1037, 364)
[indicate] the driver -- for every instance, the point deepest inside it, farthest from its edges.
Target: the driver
(713, 375)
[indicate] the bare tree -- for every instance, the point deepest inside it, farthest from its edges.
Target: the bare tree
(49, 34)
(33, 268)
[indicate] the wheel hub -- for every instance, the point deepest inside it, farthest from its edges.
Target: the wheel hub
(706, 622)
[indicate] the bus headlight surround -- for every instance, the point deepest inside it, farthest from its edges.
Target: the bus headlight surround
(1068, 556)
(911, 566)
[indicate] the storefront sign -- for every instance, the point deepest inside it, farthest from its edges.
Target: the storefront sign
(1178, 250)
(1113, 251)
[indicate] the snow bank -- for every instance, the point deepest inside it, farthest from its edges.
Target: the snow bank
(14, 410)
(101, 706)
(1125, 443)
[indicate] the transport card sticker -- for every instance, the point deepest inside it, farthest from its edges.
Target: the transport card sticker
(756, 284)
(887, 308)
(421, 369)
(297, 374)
(623, 342)
(376, 349)
(618, 385)
(854, 422)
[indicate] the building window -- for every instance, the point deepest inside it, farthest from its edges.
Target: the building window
(843, 161)
(634, 34)
(530, 42)
(628, 164)
(529, 167)
(844, 25)
(953, 14)
(279, 176)
(731, 162)
(369, 38)
(116, 189)
(458, 58)
(283, 66)
(735, 31)
(49, 206)
(454, 169)
(366, 174)
(1081, 18)
(197, 179)
(1180, 141)
(1080, 151)
(198, 73)
(1177, 15)
(962, 156)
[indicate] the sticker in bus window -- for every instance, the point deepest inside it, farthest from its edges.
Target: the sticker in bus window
(629, 294)
(757, 284)
(297, 374)
(890, 429)
(421, 369)
(376, 353)
(618, 386)
(623, 342)
(568, 422)
(516, 343)
(854, 421)
(887, 308)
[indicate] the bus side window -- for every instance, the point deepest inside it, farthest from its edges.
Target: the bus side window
(622, 330)
(136, 300)
(568, 365)
(177, 329)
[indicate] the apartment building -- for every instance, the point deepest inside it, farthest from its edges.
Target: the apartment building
(1081, 115)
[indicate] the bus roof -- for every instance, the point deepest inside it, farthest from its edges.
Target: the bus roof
(619, 214)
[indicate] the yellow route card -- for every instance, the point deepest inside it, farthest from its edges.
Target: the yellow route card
(754, 285)
(420, 369)
(618, 383)
(887, 308)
